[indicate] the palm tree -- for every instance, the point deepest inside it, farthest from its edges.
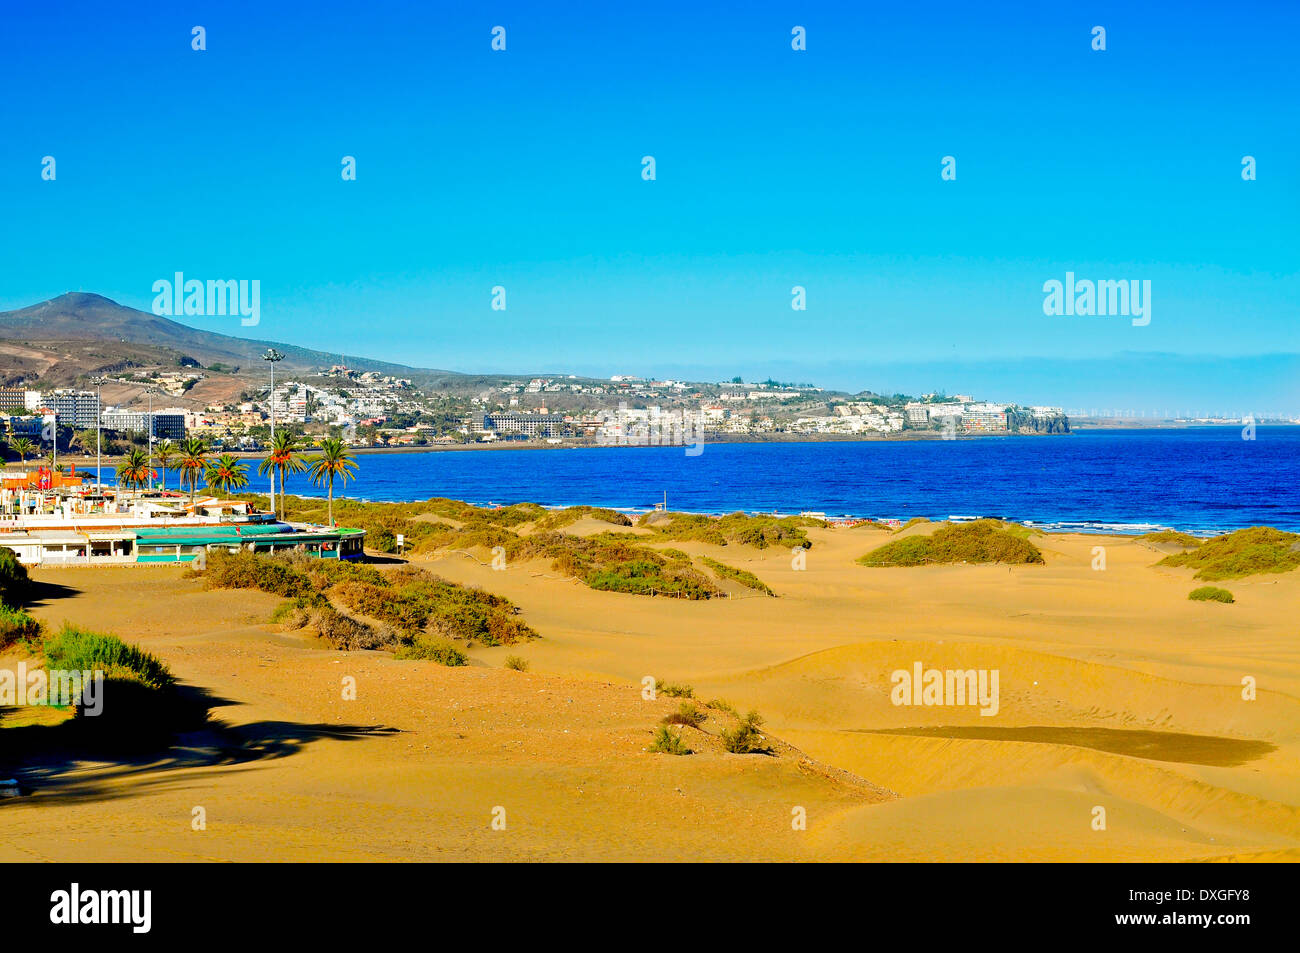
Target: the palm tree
(166, 452)
(226, 474)
(335, 461)
(134, 470)
(283, 458)
(191, 462)
(22, 446)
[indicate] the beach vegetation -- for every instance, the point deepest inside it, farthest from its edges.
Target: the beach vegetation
(688, 713)
(745, 737)
(15, 583)
(675, 690)
(346, 633)
(433, 649)
(17, 627)
(914, 521)
(405, 603)
(611, 561)
(414, 601)
(516, 663)
(1246, 552)
(980, 541)
(76, 649)
(294, 613)
(556, 519)
(1210, 594)
(745, 578)
(667, 741)
(740, 529)
(245, 570)
(1173, 537)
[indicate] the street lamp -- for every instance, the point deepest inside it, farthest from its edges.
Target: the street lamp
(150, 465)
(99, 420)
(272, 357)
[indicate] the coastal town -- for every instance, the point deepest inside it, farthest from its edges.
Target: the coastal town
(368, 409)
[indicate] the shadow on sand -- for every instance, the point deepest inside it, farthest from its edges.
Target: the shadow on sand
(94, 759)
(1209, 750)
(43, 592)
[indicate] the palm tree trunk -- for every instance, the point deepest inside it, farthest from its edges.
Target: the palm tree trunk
(281, 493)
(331, 499)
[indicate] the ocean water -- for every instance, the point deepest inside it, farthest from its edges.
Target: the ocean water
(1201, 480)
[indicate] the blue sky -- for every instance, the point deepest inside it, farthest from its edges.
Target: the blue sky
(774, 169)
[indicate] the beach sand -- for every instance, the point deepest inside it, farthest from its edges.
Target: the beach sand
(1116, 692)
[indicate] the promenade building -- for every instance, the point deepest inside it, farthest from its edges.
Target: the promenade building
(509, 423)
(74, 408)
(167, 425)
(12, 400)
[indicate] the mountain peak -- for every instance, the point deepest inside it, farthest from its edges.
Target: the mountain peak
(81, 299)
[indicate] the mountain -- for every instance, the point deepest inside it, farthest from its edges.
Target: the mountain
(78, 334)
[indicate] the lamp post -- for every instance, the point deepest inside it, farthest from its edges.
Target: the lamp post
(272, 357)
(99, 420)
(150, 464)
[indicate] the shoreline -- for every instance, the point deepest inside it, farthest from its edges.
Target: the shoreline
(1128, 530)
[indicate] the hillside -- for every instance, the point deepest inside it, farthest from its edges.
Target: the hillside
(62, 341)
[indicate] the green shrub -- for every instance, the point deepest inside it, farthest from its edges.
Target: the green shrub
(429, 649)
(245, 570)
(296, 612)
(980, 541)
(76, 649)
(414, 601)
(1257, 549)
(667, 741)
(516, 663)
(16, 626)
(1210, 594)
(673, 690)
(383, 539)
(555, 519)
(745, 578)
(739, 528)
(1172, 536)
(686, 714)
(746, 738)
(346, 633)
(15, 584)
(721, 704)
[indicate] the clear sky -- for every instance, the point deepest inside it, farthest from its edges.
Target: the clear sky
(774, 168)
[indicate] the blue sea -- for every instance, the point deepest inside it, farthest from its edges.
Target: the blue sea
(1200, 480)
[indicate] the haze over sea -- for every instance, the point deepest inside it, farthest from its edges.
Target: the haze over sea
(1201, 480)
